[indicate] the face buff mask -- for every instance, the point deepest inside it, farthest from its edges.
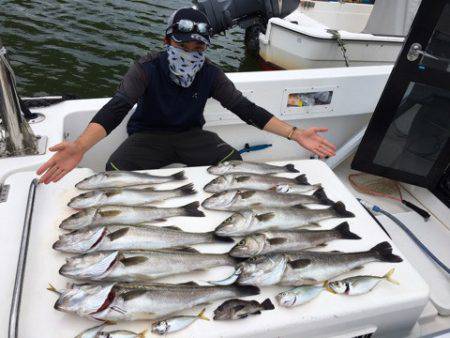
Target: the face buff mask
(184, 65)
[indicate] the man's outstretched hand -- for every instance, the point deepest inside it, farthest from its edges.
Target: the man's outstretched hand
(311, 140)
(67, 157)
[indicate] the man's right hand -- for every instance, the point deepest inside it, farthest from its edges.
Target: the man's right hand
(67, 157)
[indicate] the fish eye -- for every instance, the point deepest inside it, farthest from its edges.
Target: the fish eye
(252, 259)
(242, 242)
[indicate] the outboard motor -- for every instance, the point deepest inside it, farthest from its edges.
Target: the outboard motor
(252, 15)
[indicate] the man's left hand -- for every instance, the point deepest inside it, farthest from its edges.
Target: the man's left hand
(311, 140)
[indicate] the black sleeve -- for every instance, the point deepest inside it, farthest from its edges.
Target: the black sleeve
(131, 88)
(226, 93)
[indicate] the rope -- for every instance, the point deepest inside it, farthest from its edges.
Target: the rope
(341, 44)
(227, 157)
(113, 166)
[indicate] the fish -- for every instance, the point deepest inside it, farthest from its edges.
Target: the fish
(127, 197)
(308, 267)
(237, 309)
(246, 222)
(121, 179)
(126, 302)
(229, 167)
(140, 266)
(291, 240)
(121, 334)
(235, 200)
(358, 285)
(175, 324)
(122, 237)
(299, 295)
(92, 332)
(126, 215)
(227, 182)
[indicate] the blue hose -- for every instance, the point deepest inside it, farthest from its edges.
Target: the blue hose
(422, 246)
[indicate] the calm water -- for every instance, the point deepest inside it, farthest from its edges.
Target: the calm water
(83, 47)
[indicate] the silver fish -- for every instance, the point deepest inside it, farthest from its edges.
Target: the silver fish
(309, 267)
(229, 167)
(127, 197)
(126, 215)
(148, 237)
(260, 182)
(299, 295)
(92, 332)
(175, 324)
(358, 285)
(117, 302)
(286, 241)
(121, 179)
(121, 334)
(235, 200)
(140, 266)
(248, 221)
(237, 309)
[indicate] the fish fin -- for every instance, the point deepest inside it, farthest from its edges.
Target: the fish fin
(383, 252)
(243, 316)
(322, 197)
(290, 167)
(326, 286)
(257, 313)
(301, 179)
(135, 260)
(299, 206)
(179, 176)
(148, 189)
(181, 248)
(172, 227)
(299, 263)
(117, 234)
(109, 193)
(159, 220)
(242, 178)
(344, 231)
(201, 315)
(340, 210)
(314, 225)
(255, 205)
(356, 268)
(277, 241)
(190, 283)
(132, 294)
(247, 194)
(187, 189)
(221, 239)
(388, 277)
(191, 209)
(265, 217)
(109, 213)
(322, 245)
(267, 304)
(142, 334)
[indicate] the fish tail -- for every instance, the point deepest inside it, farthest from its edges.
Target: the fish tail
(142, 334)
(322, 197)
(267, 304)
(290, 167)
(191, 209)
(187, 189)
(383, 252)
(221, 239)
(246, 290)
(341, 211)
(179, 176)
(301, 179)
(344, 231)
(389, 278)
(201, 315)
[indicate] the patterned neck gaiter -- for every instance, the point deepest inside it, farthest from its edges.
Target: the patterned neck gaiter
(184, 65)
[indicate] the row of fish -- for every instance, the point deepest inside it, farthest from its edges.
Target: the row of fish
(121, 252)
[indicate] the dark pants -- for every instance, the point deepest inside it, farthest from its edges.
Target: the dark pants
(154, 150)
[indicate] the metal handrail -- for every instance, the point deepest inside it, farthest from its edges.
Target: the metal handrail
(13, 328)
